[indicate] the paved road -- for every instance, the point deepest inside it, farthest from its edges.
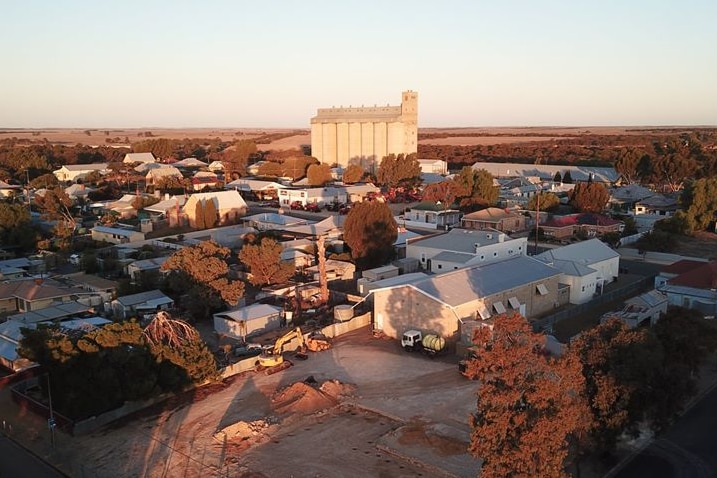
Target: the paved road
(15, 461)
(688, 450)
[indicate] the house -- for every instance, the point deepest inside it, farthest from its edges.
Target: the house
(190, 163)
(256, 188)
(137, 268)
(115, 235)
(229, 206)
(34, 294)
(272, 221)
(8, 190)
(124, 206)
(20, 267)
(142, 303)
(696, 288)
(460, 247)
(436, 166)
(246, 321)
(11, 335)
(299, 259)
(216, 167)
(546, 172)
(335, 270)
(499, 219)
(104, 287)
(139, 158)
(74, 172)
(645, 309)
(164, 207)
(562, 228)
(204, 179)
(156, 174)
(675, 269)
(661, 205)
(430, 215)
(624, 198)
(585, 266)
(321, 196)
(439, 303)
(77, 191)
(330, 227)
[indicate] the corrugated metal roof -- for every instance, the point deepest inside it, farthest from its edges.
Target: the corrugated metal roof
(461, 240)
(250, 312)
(572, 268)
(463, 285)
(585, 252)
(140, 298)
(456, 257)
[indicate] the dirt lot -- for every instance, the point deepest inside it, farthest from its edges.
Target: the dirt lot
(98, 136)
(363, 408)
(703, 244)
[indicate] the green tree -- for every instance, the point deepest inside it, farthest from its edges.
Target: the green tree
(211, 215)
(237, 156)
(318, 174)
(353, 174)
(620, 366)
(202, 271)
(478, 189)
(589, 197)
(296, 167)
(546, 200)
(263, 258)
(141, 202)
(271, 169)
(629, 164)
(45, 181)
(370, 231)
(171, 184)
(567, 177)
(199, 215)
(699, 201)
(672, 170)
(399, 171)
(16, 229)
(55, 206)
(529, 404)
(558, 178)
(445, 192)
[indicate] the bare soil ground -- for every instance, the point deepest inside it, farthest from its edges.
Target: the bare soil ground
(702, 244)
(363, 408)
(97, 137)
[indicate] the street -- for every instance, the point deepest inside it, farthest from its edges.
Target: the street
(16, 461)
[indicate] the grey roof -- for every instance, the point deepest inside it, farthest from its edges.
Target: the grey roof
(577, 173)
(456, 257)
(149, 264)
(461, 240)
(463, 285)
(585, 252)
(141, 298)
(399, 280)
(689, 291)
(250, 312)
(572, 268)
(115, 230)
(50, 313)
(650, 299)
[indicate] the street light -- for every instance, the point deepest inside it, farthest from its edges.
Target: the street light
(50, 421)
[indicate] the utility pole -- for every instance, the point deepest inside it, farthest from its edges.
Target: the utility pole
(50, 421)
(537, 218)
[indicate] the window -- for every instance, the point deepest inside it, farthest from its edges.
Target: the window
(499, 307)
(440, 266)
(482, 312)
(583, 288)
(514, 303)
(542, 290)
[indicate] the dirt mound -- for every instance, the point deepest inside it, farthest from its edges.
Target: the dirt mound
(242, 431)
(303, 397)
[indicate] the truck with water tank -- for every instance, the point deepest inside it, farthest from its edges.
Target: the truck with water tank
(429, 344)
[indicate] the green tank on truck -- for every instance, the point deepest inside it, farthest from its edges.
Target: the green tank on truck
(430, 344)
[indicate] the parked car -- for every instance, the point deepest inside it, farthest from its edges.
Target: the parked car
(345, 209)
(312, 207)
(297, 206)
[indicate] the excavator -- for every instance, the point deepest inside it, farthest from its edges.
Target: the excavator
(272, 358)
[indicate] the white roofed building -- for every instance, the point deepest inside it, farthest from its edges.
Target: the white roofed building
(73, 172)
(139, 158)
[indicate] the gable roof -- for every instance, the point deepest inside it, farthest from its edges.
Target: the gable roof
(31, 290)
(547, 172)
(190, 163)
(464, 285)
(167, 204)
(142, 297)
(139, 158)
(490, 214)
(250, 312)
(586, 252)
(461, 240)
(702, 277)
(164, 172)
(224, 200)
(85, 167)
(572, 268)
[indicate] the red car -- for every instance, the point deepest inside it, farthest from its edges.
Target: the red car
(297, 206)
(312, 207)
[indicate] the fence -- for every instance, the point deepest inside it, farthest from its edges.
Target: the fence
(547, 323)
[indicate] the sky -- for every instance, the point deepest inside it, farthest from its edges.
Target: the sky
(262, 64)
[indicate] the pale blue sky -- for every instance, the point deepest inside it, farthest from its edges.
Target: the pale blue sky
(248, 64)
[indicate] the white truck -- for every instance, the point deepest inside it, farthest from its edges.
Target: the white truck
(429, 344)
